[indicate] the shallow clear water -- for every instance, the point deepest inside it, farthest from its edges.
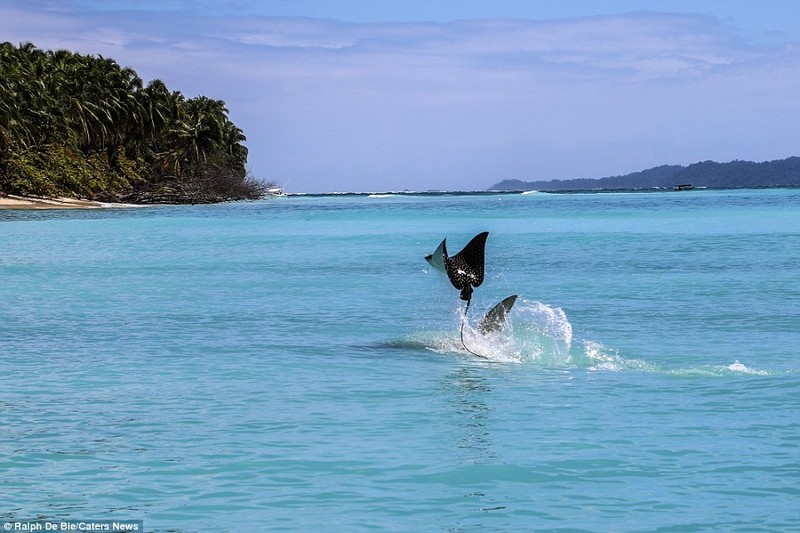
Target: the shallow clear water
(295, 364)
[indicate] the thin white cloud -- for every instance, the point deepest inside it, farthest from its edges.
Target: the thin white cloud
(647, 46)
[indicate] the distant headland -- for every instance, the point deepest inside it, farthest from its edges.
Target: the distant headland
(82, 126)
(735, 174)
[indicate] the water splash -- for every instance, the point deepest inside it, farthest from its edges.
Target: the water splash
(534, 332)
(537, 333)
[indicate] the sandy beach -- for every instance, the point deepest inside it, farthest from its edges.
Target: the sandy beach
(24, 202)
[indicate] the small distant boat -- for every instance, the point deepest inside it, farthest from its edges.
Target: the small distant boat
(277, 190)
(684, 187)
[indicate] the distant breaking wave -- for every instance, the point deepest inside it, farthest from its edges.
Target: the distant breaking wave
(517, 192)
(386, 194)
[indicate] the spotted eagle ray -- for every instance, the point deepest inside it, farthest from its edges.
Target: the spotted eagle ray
(465, 270)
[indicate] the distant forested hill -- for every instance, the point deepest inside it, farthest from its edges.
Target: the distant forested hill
(782, 172)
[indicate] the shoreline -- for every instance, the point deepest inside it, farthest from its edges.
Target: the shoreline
(12, 201)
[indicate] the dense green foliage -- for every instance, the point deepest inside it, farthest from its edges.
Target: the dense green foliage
(83, 126)
(780, 173)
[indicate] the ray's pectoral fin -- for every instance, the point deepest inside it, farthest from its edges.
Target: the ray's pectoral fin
(496, 318)
(465, 269)
(438, 258)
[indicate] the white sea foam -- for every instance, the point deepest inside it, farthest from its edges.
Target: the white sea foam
(595, 356)
(113, 205)
(744, 369)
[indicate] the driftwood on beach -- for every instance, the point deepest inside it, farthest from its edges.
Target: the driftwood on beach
(204, 190)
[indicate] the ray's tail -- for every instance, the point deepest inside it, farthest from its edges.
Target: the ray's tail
(463, 323)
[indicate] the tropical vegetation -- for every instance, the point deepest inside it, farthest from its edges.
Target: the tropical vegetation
(84, 126)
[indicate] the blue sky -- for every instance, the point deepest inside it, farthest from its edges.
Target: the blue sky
(377, 95)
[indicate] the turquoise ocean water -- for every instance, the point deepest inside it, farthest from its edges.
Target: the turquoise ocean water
(295, 365)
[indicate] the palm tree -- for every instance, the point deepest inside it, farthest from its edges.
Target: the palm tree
(236, 152)
(89, 107)
(20, 96)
